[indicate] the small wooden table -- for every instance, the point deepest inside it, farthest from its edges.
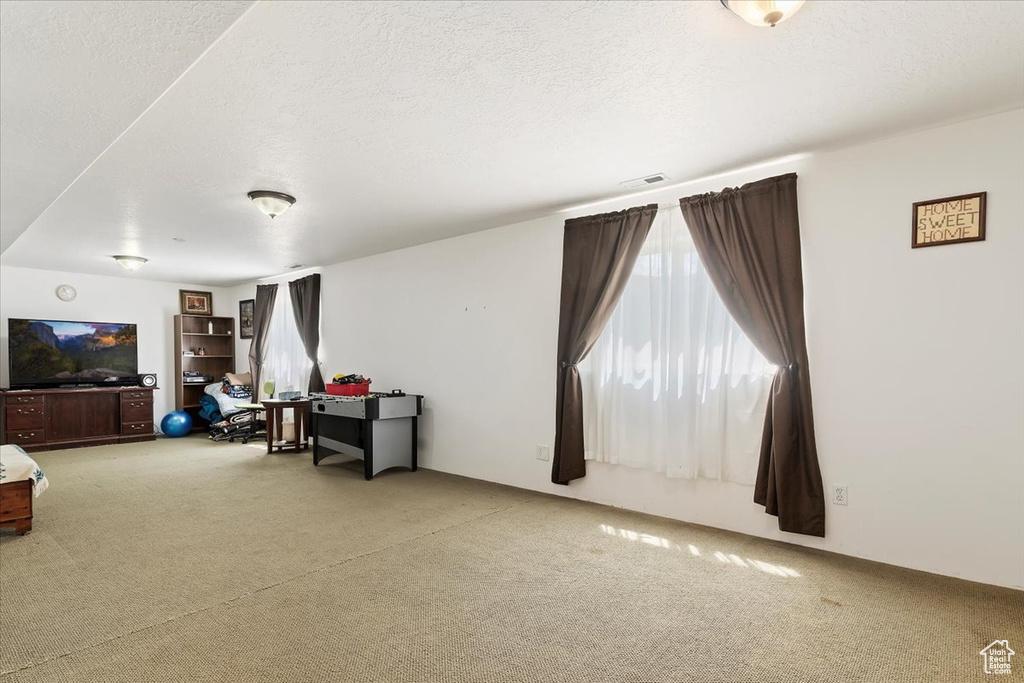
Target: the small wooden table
(275, 417)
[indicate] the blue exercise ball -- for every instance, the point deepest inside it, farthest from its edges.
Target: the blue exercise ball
(176, 423)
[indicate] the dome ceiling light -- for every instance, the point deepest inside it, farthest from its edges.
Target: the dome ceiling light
(763, 12)
(130, 262)
(270, 202)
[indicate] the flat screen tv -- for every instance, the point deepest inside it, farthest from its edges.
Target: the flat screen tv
(55, 353)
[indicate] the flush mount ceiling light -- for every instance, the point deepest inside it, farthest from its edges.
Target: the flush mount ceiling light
(271, 203)
(763, 12)
(130, 262)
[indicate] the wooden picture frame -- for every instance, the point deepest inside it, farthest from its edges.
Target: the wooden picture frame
(949, 220)
(196, 303)
(246, 316)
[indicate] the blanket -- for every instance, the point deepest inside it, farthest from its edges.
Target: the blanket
(226, 405)
(235, 426)
(209, 410)
(236, 391)
(16, 465)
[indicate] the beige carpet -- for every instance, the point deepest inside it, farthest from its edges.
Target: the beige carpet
(184, 560)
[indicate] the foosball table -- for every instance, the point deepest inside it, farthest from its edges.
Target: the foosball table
(379, 428)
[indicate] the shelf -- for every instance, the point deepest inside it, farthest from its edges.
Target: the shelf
(214, 334)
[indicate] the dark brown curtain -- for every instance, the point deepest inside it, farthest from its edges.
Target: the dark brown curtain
(598, 255)
(749, 241)
(305, 295)
(262, 311)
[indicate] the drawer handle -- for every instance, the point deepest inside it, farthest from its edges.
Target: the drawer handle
(26, 436)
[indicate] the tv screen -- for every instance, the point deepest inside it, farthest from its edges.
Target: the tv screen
(67, 353)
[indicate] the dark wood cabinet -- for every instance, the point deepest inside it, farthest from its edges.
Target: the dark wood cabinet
(47, 419)
(82, 415)
(25, 416)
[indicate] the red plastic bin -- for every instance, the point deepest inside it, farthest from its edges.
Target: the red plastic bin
(360, 389)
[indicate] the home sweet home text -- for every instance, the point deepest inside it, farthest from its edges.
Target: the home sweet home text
(955, 219)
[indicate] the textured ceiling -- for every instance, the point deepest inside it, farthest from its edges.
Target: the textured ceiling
(73, 77)
(400, 123)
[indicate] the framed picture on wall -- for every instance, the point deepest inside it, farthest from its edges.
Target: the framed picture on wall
(196, 303)
(949, 220)
(245, 314)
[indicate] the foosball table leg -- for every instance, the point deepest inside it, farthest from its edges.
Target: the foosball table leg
(415, 443)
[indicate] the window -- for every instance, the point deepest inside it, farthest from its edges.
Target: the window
(286, 362)
(673, 385)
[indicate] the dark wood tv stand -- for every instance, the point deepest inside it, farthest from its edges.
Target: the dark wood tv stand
(49, 419)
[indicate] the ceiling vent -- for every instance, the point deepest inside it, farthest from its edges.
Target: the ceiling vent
(295, 266)
(646, 181)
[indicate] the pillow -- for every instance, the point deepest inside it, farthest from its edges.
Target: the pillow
(244, 379)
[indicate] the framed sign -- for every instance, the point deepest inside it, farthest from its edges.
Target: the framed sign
(949, 220)
(245, 316)
(196, 303)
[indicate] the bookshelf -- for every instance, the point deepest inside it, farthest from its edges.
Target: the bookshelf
(216, 335)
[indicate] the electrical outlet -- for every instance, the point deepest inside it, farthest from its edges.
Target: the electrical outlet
(543, 452)
(840, 496)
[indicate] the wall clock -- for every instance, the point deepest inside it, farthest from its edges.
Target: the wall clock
(66, 292)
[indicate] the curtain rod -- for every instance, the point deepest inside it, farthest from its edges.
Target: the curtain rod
(771, 163)
(660, 208)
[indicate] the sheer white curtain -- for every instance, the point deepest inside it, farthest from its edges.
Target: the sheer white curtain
(286, 362)
(673, 385)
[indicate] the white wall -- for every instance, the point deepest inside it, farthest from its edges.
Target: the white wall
(29, 293)
(916, 359)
